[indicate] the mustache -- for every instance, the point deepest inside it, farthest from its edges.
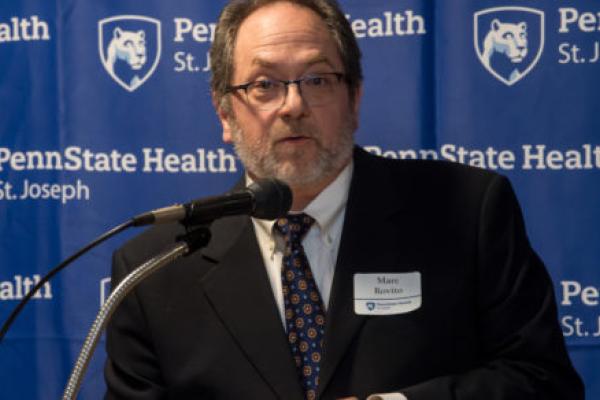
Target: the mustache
(294, 129)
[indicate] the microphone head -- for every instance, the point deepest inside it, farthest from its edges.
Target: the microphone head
(272, 198)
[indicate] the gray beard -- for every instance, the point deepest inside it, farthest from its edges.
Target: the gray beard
(328, 162)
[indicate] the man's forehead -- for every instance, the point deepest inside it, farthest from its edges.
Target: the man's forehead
(284, 34)
(262, 62)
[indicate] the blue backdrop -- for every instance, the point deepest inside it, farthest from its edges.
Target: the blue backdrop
(89, 138)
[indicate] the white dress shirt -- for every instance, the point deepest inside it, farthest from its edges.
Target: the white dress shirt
(321, 242)
(321, 245)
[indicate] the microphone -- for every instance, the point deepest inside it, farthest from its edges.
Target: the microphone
(265, 199)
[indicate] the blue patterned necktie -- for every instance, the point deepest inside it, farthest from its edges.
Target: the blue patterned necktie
(304, 311)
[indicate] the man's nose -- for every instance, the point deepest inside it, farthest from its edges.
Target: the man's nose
(294, 104)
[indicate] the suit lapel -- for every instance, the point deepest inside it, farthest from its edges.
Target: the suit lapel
(239, 290)
(362, 246)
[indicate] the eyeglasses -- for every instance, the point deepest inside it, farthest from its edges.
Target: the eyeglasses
(269, 94)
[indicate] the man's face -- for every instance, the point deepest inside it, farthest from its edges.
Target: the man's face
(297, 143)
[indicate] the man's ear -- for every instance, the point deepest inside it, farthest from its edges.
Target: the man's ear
(224, 114)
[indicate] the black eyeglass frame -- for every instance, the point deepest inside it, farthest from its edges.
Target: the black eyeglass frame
(244, 86)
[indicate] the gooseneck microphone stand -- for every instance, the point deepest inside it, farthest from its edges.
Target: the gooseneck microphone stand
(186, 245)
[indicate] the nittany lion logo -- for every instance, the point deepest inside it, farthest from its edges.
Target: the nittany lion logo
(130, 48)
(509, 41)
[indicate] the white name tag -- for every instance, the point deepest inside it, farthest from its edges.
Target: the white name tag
(387, 293)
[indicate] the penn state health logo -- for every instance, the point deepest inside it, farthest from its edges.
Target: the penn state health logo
(130, 47)
(509, 41)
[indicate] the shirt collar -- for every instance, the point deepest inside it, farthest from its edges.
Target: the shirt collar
(325, 207)
(331, 201)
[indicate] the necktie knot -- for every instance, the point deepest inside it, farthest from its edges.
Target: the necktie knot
(293, 227)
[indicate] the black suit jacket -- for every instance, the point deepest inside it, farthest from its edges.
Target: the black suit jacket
(207, 327)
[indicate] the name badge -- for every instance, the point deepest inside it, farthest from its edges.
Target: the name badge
(387, 293)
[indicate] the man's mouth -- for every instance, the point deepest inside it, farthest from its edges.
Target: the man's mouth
(294, 139)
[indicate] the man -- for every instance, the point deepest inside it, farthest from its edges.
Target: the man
(406, 279)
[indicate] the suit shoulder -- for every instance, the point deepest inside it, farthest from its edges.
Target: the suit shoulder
(429, 170)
